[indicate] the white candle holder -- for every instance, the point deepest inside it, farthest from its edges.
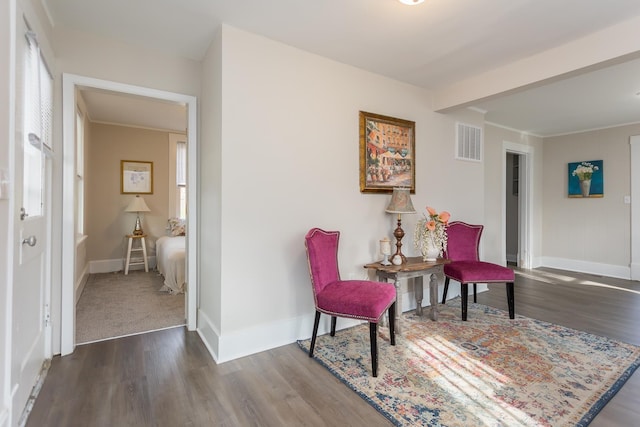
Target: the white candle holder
(385, 250)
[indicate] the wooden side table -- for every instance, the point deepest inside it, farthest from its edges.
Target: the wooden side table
(130, 248)
(414, 269)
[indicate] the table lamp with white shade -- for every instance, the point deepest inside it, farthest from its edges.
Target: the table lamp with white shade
(400, 204)
(137, 205)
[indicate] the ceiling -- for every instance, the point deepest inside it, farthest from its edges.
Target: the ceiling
(123, 109)
(431, 45)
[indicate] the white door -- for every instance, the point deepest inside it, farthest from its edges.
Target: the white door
(31, 221)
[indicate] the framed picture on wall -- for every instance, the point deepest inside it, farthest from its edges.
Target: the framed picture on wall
(387, 153)
(136, 177)
(586, 179)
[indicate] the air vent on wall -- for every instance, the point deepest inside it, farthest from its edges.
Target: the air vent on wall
(468, 142)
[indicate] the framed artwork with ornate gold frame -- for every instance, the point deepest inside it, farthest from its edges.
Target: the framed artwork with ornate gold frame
(136, 177)
(387, 153)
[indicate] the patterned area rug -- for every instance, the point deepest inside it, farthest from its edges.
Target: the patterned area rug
(488, 371)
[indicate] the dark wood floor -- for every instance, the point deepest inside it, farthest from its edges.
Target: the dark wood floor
(167, 378)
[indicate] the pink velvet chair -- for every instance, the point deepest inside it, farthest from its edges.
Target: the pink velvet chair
(355, 299)
(465, 267)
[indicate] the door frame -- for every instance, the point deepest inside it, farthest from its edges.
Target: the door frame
(634, 273)
(525, 195)
(70, 82)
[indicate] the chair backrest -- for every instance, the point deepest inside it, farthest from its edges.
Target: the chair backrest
(322, 256)
(463, 241)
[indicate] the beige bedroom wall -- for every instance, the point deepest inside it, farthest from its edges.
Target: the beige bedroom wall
(106, 221)
(592, 234)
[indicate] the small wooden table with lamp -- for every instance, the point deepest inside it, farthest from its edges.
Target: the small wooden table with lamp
(137, 205)
(414, 268)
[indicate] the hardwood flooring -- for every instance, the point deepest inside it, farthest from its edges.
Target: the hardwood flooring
(167, 378)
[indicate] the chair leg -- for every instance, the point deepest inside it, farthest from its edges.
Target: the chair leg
(315, 332)
(464, 290)
(446, 288)
(373, 332)
(511, 300)
(475, 292)
(333, 326)
(392, 323)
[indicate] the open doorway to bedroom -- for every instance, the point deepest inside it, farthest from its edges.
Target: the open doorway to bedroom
(118, 295)
(128, 130)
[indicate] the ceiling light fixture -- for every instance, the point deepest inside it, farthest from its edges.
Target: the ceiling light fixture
(411, 2)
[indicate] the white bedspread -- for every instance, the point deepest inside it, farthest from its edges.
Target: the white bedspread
(170, 258)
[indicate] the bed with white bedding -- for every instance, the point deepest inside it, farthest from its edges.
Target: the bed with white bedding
(171, 262)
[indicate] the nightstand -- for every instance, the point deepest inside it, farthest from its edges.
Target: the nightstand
(131, 248)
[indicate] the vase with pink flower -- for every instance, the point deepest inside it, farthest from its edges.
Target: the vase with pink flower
(430, 236)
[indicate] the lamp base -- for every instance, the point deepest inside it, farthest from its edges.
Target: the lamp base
(398, 258)
(137, 230)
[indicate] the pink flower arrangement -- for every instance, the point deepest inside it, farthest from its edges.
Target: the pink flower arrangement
(436, 218)
(431, 231)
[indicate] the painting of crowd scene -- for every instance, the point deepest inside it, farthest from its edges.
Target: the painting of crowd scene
(387, 153)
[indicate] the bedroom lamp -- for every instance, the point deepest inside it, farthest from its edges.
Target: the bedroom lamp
(137, 205)
(400, 204)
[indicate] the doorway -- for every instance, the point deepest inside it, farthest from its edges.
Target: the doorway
(72, 83)
(512, 202)
(516, 208)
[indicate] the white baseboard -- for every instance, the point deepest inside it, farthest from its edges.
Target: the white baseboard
(82, 281)
(236, 344)
(608, 270)
(114, 265)
(209, 334)
(635, 271)
(512, 257)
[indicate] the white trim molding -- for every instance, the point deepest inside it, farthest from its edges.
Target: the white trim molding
(69, 84)
(525, 238)
(634, 265)
(590, 267)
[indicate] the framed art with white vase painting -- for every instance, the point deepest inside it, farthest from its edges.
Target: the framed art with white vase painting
(586, 179)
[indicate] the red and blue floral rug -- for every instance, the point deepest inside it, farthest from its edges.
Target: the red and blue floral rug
(488, 371)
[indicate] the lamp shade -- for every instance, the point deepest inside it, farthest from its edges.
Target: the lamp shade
(137, 205)
(400, 201)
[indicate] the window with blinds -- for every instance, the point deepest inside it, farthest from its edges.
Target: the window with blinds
(181, 178)
(37, 122)
(178, 175)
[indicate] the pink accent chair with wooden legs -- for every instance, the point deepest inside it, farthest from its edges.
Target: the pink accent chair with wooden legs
(355, 299)
(463, 241)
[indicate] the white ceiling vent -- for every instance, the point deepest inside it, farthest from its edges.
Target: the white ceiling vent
(468, 142)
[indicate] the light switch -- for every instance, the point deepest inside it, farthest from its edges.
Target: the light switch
(627, 200)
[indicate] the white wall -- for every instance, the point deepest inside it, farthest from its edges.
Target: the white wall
(89, 55)
(289, 140)
(210, 198)
(591, 234)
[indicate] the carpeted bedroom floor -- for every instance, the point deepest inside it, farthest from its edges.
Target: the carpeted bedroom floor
(114, 305)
